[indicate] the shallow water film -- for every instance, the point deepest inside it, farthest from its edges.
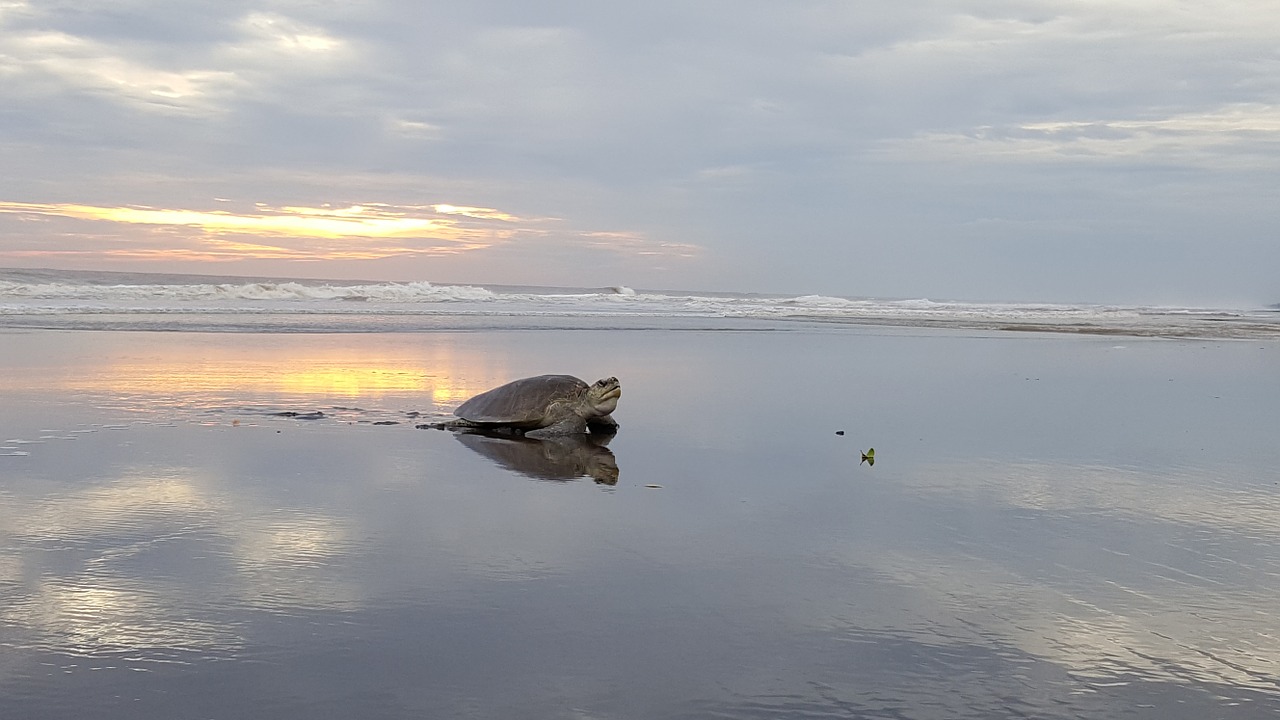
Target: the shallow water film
(233, 526)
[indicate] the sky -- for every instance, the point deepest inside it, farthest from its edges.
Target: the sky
(986, 150)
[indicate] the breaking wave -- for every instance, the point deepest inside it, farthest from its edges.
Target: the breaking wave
(73, 300)
(290, 290)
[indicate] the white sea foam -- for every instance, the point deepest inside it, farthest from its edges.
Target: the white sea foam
(288, 290)
(139, 301)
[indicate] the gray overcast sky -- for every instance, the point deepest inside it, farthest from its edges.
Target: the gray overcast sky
(1054, 150)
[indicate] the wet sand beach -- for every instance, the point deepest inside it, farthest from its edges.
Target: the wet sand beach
(225, 525)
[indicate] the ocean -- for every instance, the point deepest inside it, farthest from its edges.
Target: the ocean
(220, 498)
(80, 300)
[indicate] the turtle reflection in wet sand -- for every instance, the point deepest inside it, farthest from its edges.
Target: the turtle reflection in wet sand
(542, 406)
(561, 458)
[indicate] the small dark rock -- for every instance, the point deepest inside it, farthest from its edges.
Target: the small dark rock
(839, 432)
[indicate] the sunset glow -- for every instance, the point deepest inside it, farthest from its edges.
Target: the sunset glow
(475, 212)
(322, 222)
(305, 233)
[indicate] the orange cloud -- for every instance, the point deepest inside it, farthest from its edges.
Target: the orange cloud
(365, 231)
(636, 244)
(354, 232)
(475, 212)
(324, 222)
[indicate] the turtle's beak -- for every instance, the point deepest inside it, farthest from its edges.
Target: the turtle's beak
(609, 388)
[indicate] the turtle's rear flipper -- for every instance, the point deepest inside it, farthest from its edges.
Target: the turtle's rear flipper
(458, 424)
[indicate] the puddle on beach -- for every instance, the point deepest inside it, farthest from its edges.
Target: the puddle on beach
(1054, 527)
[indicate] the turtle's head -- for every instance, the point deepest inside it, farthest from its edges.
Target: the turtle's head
(602, 397)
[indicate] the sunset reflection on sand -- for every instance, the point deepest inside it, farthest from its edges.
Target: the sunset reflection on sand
(261, 368)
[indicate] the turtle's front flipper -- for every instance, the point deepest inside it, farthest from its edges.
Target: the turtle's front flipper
(603, 424)
(572, 425)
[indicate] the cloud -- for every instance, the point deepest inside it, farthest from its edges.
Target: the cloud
(1235, 136)
(636, 244)
(475, 212)
(247, 57)
(367, 231)
(289, 36)
(82, 65)
(310, 233)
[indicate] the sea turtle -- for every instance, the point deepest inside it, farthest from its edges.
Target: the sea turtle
(542, 406)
